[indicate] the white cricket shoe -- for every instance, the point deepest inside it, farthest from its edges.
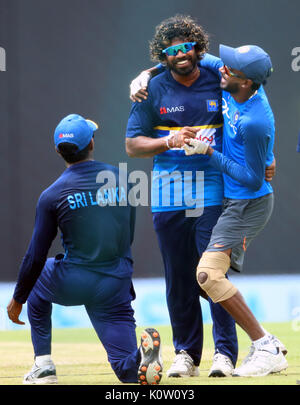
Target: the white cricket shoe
(183, 366)
(222, 366)
(44, 374)
(276, 342)
(261, 363)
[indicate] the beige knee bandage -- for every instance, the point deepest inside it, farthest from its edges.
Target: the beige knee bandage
(215, 266)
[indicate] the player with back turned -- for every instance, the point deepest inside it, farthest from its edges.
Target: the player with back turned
(96, 269)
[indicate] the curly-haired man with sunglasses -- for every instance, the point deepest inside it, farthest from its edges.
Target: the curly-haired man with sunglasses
(181, 103)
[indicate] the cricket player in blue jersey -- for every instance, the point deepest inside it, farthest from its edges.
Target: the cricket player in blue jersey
(187, 192)
(97, 229)
(248, 140)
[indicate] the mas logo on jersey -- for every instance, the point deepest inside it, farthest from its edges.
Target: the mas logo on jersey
(212, 105)
(167, 110)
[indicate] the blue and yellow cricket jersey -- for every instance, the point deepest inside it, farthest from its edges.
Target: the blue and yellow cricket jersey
(180, 181)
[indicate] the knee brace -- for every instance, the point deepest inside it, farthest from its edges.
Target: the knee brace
(215, 265)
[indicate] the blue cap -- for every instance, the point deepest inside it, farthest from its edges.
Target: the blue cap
(253, 61)
(75, 129)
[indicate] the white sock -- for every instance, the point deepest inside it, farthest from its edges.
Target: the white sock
(266, 332)
(265, 343)
(40, 360)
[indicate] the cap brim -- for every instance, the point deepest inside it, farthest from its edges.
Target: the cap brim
(92, 125)
(227, 54)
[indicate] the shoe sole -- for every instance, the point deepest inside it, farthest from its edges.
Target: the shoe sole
(150, 369)
(51, 379)
(177, 375)
(217, 373)
(282, 366)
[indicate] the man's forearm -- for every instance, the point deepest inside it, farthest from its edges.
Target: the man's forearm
(243, 174)
(29, 273)
(144, 147)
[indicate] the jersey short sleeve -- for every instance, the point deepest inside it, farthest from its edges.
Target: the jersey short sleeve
(141, 119)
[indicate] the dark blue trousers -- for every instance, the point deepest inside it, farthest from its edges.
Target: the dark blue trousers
(107, 301)
(182, 241)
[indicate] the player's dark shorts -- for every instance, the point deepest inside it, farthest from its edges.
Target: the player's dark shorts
(240, 222)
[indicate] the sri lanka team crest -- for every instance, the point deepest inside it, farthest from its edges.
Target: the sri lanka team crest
(212, 105)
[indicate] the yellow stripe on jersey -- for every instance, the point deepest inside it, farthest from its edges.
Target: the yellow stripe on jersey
(195, 126)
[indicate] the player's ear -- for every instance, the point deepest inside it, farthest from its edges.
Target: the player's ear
(247, 83)
(92, 144)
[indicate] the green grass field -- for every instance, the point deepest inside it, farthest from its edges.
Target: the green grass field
(81, 360)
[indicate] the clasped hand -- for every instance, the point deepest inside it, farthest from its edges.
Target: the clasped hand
(195, 146)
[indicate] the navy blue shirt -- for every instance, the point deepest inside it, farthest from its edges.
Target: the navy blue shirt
(88, 203)
(169, 107)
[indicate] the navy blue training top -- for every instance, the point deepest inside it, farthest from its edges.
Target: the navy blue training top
(170, 106)
(88, 203)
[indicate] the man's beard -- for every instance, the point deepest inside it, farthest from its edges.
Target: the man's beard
(183, 71)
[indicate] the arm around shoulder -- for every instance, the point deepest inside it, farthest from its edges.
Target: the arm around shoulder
(211, 62)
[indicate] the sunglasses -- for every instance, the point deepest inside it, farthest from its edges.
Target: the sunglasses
(229, 72)
(184, 48)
